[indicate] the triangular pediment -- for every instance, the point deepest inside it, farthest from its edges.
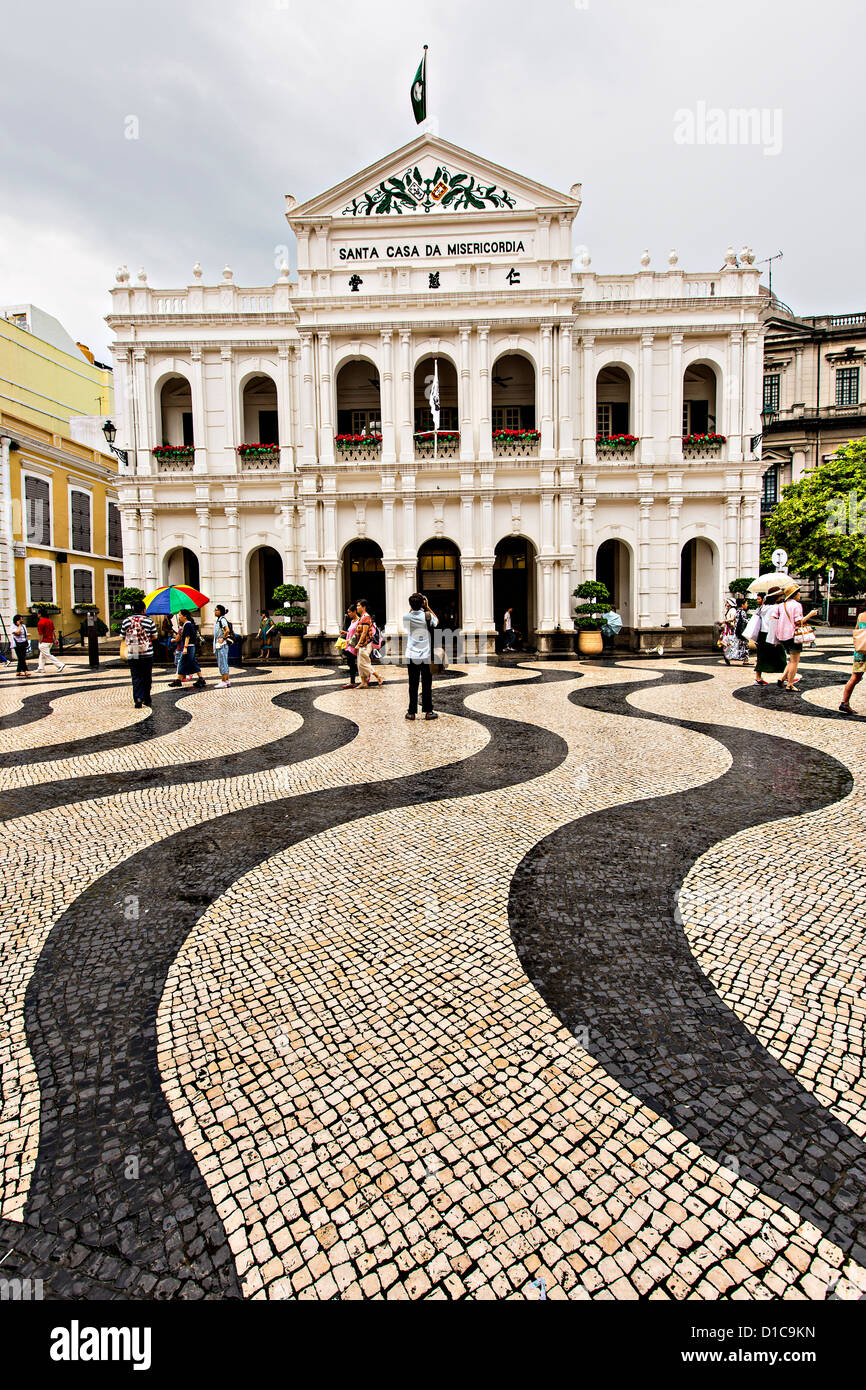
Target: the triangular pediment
(429, 176)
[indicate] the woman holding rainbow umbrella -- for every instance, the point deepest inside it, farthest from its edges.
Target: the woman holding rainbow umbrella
(183, 600)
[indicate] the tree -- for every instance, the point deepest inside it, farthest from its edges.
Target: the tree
(821, 520)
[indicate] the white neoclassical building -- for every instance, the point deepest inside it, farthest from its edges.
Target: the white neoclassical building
(283, 432)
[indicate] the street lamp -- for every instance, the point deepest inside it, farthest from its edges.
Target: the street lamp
(768, 418)
(109, 429)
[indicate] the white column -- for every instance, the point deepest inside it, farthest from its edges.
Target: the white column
(589, 421)
(645, 398)
(675, 396)
(326, 404)
(284, 409)
(485, 430)
(798, 463)
(546, 624)
(392, 625)
(488, 489)
(287, 532)
(566, 418)
(752, 384)
(547, 531)
(485, 610)
(547, 448)
(587, 536)
(308, 413)
(468, 613)
(646, 504)
(467, 443)
(199, 419)
(731, 423)
(130, 530)
(332, 606)
(566, 548)
(673, 585)
(732, 538)
(389, 433)
(410, 538)
(233, 427)
(750, 535)
(236, 587)
(407, 395)
(150, 576)
(145, 426)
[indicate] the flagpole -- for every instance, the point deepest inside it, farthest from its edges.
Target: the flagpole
(435, 422)
(427, 112)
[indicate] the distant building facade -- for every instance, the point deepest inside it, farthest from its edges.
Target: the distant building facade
(815, 390)
(592, 426)
(60, 529)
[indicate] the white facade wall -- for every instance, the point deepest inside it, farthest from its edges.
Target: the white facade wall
(564, 495)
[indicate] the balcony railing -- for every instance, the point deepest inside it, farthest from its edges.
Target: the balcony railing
(171, 458)
(259, 458)
(515, 444)
(698, 446)
(358, 448)
(445, 446)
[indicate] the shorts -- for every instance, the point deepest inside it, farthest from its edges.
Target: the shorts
(859, 666)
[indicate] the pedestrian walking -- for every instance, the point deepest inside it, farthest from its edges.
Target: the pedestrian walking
(859, 667)
(362, 640)
(348, 632)
(509, 636)
(735, 646)
(47, 638)
(771, 654)
(20, 645)
(267, 634)
(138, 631)
(223, 636)
(188, 665)
(793, 634)
(419, 622)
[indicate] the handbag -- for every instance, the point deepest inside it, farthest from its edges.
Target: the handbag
(860, 640)
(804, 635)
(752, 628)
(340, 644)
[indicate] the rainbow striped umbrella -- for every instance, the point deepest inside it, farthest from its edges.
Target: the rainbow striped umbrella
(174, 598)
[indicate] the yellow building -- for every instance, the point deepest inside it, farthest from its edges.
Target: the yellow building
(61, 538)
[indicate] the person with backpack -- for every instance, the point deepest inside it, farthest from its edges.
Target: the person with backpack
(138, 631)
(377, 646)
(419, 622)
(223, 636)
(20, 644)
(188, 665)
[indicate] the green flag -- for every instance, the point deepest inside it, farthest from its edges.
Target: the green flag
(418, 91)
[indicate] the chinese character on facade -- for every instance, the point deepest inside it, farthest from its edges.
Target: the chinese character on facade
(513, 276)
(433, 279)
(355, 283)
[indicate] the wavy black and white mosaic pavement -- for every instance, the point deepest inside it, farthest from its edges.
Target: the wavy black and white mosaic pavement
(579, 817)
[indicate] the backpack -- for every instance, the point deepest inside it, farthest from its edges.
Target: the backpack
(136, 638)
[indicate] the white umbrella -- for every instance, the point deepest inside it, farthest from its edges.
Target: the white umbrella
(767, 582)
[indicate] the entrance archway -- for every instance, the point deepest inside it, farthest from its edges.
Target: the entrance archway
(439, 580)
(180, 566)
(699, 582)
(613, 569)
(364, 577)
(514, 584)
(266, 572)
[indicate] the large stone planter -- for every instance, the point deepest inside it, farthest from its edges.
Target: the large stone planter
(589, 642)
(291, 646)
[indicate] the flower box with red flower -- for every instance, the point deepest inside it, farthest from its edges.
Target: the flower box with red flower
(616, 441)
(248, 451)
(700, 441)
(519, 436)
(176, 456)
(357, 441)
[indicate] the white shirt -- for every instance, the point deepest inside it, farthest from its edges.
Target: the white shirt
(418, 644)
(506, 622)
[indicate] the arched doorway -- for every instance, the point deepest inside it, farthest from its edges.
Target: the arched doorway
(512, 393)
(180, 566)
(175, 410)
(266, 572)
(260, 416)
(514, 584)
(613, 402)
(447, 373)
(364, 577)
(359, 408)
(699, 581)
(699, 400)
(613, 569)
(439, 580)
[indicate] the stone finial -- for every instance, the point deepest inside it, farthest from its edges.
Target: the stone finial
(585, 258)
(673, 258)
(284, 270)
(122, 274)
(574, 191)
(197, 271)
(747, 256)
(291, 202)
(644, 258)
(730, 256)
(227, 273)
(142, 275)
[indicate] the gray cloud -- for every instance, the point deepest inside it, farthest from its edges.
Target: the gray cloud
(240, 101)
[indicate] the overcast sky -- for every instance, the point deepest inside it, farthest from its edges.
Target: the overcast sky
(240, 101)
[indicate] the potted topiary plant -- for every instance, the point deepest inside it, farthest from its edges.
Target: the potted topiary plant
(589, 616)
(291, 619)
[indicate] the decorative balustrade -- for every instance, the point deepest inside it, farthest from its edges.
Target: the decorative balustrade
(446, 446)
(699, 289)
(703, 446)
(358, 448)
(516, 444)
(170, 304)
(259, 458)
(174, 458)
